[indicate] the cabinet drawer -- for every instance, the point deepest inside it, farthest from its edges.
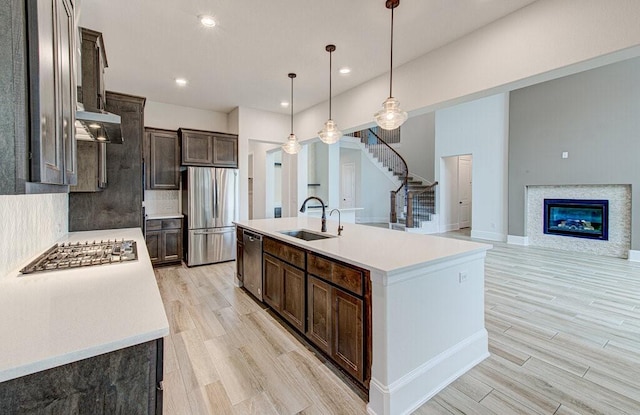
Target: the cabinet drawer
(171, 223)
(285, 252)
(154, 224)
(342, 275)
(158, 224)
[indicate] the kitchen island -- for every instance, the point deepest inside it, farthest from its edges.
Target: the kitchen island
(83, 340)
(423, 302)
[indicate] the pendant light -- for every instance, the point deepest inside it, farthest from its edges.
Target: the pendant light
(391, 116)
(330, 133)
(292, 146)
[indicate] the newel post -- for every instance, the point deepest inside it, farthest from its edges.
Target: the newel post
(393, 216)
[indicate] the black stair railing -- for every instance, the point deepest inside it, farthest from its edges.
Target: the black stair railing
(373, 140)
(421, 204)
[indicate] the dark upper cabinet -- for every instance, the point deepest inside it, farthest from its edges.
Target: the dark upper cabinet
(162, 159)
(225, 150)
(52, 89)
(94, 61)
(207, 148)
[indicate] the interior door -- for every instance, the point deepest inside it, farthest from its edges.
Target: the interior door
(348, 185)
(464, 191)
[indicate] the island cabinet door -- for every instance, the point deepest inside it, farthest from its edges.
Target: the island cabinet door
(348, 333)
(272, 282)
(293, 294)
(319, 313)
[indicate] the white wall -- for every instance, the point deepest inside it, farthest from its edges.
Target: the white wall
(264, 176)
(251, 124)
(479, 128)
(29, 224)
(546, 40)
(172, 117)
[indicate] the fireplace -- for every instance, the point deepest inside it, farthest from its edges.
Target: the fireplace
(577, 218)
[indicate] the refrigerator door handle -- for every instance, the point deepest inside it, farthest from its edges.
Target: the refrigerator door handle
(214, 231)
(217, 196)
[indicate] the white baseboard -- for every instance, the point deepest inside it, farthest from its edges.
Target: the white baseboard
(634, 256)
(408, 393)
(451, 227)
(374, 219)
(518, 240)
(489, 236)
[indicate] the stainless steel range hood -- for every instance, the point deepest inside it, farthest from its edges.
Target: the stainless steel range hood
(101, 126)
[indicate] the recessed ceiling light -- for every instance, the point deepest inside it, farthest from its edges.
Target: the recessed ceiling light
(181, 81)
(94, 126)
(284, 104)
(207, 20)
(345, 70)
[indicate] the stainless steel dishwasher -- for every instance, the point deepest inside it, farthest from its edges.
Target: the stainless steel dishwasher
(252, 263)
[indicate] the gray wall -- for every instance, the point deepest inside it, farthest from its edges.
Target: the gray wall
(595, 116)
(417, 144)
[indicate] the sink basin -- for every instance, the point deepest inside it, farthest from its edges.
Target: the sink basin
(306, 235)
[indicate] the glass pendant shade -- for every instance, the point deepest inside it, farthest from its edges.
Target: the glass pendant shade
(330, 133)
(390, 116)
(292, 146)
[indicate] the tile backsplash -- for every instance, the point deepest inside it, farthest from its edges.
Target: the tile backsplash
(29, 224)
(161, 201)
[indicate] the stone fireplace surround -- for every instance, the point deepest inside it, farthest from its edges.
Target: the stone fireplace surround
(619, 197)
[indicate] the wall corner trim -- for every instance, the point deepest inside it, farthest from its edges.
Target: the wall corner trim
(521, 240)
(634, 256)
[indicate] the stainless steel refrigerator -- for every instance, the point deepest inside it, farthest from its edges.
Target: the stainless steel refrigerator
(209, 206)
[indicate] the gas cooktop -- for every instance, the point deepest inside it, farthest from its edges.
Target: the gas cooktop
(83, 254)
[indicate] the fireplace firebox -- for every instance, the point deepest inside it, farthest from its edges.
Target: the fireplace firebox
(577, 218)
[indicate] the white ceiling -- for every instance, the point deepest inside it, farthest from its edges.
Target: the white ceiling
(245, 59)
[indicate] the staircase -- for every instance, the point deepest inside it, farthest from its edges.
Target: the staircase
(412, 205)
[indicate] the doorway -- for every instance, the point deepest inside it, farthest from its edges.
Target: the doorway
(456, 192)
(348, 185)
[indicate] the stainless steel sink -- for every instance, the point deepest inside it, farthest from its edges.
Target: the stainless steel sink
(306, 235)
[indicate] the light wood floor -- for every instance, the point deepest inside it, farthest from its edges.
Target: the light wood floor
(564, 337)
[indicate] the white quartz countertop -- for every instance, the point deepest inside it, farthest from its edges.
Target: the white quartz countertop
(52, 318)
(369, 247)
(164, 216)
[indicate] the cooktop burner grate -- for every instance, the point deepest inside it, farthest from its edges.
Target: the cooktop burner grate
(83, 254)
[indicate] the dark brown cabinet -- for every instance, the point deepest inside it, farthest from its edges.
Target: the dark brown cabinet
(162, 159)
(207, 148)
(164, 240)
(319, 313)
(348, 332)
(94, 62)
(52, 91)
(283, 289)
(336, 317)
